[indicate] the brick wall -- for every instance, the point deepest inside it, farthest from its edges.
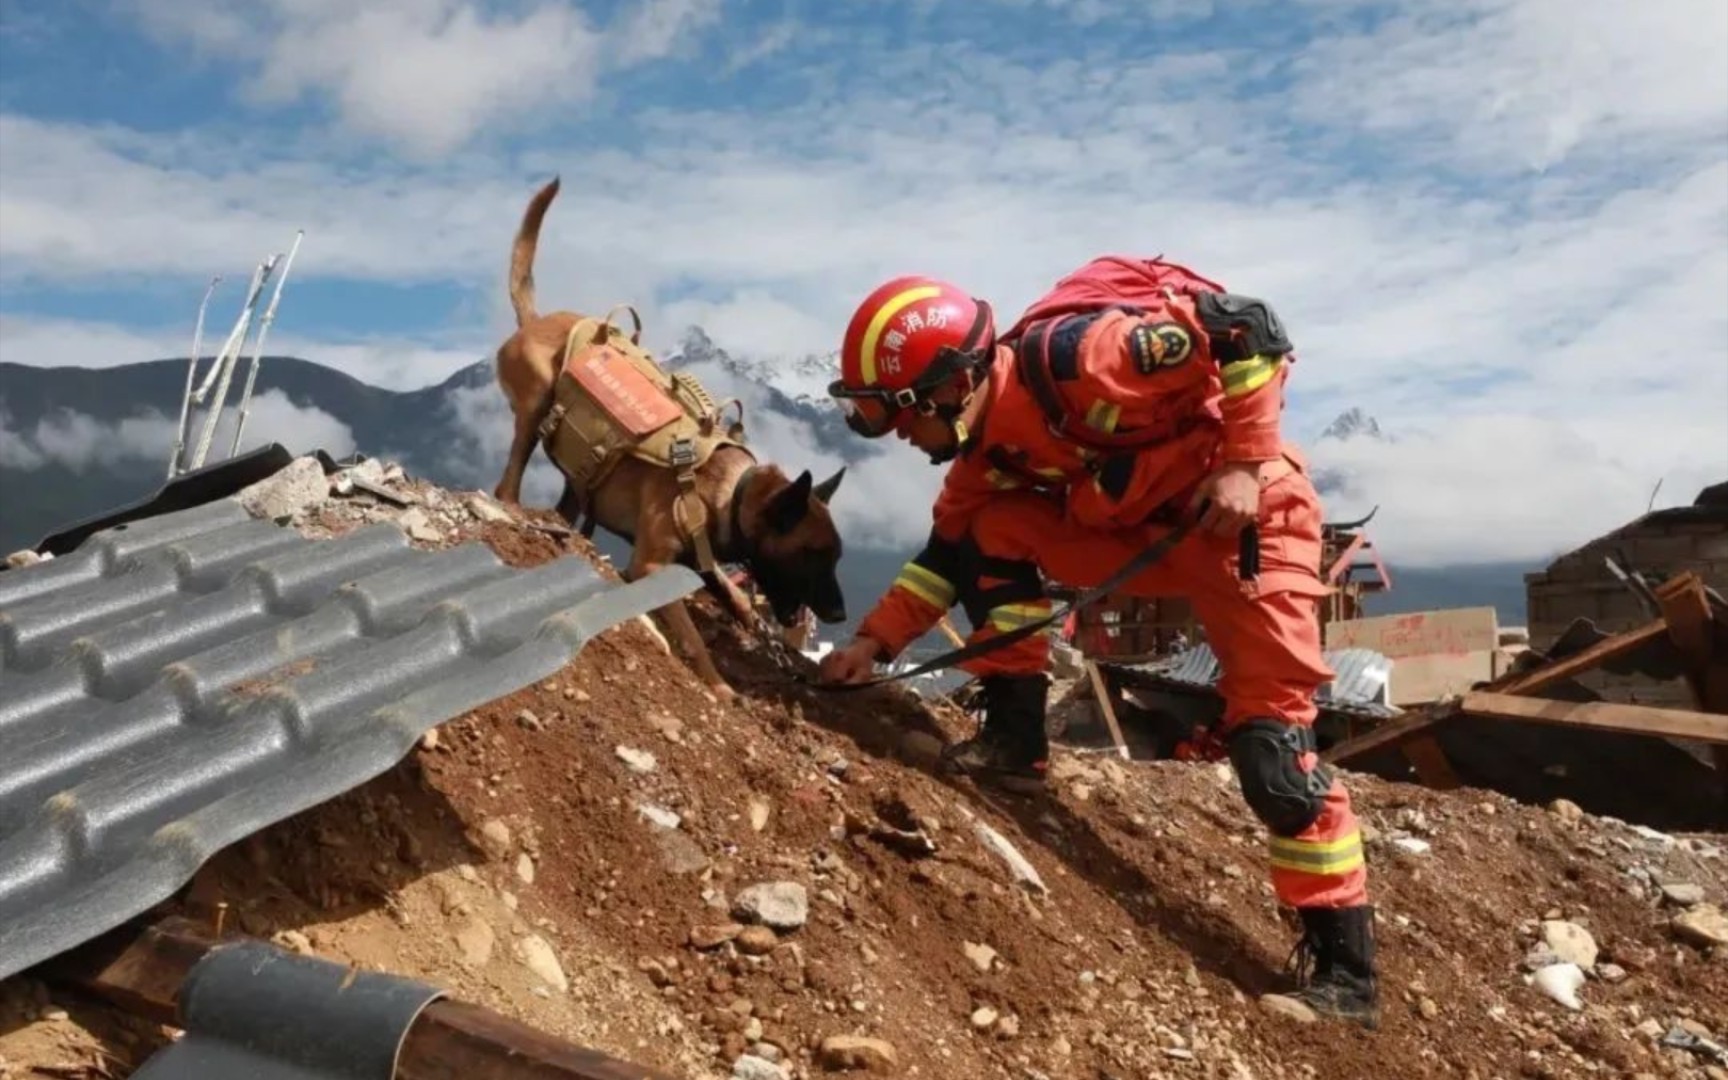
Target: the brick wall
(1580, 585)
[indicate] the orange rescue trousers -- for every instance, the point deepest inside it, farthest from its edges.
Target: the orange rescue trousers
(1266, 636)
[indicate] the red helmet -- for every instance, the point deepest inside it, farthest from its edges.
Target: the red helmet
(908, 337)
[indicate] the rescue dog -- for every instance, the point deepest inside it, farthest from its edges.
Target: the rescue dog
(778, 528)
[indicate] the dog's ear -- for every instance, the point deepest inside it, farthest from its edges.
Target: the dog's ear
(825, 490)
(787, 507)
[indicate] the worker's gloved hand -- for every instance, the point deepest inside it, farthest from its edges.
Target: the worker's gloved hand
(852, 663)
(1202, 744)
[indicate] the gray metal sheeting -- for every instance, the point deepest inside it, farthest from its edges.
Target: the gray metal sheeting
(1359, 683)
(180, 682)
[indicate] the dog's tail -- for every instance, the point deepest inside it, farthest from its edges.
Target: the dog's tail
(522, 252)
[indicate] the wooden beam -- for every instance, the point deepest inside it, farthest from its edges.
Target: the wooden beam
(1686, 610)
(1601, 715)
(141, 971)
(1584, 660)
(1106, 707)
(1402, 730)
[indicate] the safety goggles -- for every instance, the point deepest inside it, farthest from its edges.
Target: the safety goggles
(873, 411)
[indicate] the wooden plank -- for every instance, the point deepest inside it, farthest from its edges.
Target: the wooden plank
(1686, 610)
(1601, 715)
(1429, 760)
(140, 970)
(1399, 731)
(1101, 691)
(1584, 660)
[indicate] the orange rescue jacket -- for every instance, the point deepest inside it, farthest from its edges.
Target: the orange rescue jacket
(1123, 346)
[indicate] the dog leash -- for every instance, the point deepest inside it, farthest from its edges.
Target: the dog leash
(1142, 559)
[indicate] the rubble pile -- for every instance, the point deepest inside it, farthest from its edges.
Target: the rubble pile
(779, 887)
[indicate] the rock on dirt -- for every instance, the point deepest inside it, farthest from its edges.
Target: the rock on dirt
(842, 1052)
(751, 1067)
(543, 962)
(1571, 943)
(476, 940)
(1289, 1008)
(1683, 894)
(783, 905)
(983, 957)
(1703, 925)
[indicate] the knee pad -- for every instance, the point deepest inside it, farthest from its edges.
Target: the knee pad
(1267, 756)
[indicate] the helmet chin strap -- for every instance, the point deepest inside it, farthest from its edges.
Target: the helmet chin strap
(952, 414)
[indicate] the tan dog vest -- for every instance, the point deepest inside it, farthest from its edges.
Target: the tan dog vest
(611, 399)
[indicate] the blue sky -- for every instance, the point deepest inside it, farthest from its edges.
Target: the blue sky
(1501, 226)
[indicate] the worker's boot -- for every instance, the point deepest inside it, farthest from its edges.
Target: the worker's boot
(1011, 750)
(1335, 964)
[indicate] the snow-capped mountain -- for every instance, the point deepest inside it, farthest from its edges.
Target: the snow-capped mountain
(775, 394)
(1353, 423)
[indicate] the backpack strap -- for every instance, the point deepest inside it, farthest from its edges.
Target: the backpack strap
(1032, 362)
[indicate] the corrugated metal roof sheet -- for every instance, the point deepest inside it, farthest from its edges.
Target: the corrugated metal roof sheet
(1359, 683)
(179, 682)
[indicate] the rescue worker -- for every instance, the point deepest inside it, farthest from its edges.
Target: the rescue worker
(1134, 396)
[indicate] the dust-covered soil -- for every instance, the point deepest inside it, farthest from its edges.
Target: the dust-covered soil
(779, 886)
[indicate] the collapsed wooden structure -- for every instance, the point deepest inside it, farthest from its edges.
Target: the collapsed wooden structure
(1691, 624)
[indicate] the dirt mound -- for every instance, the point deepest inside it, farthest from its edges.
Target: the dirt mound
(774, 887)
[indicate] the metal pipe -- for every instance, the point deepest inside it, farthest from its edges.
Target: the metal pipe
(227, 361)
(141, 969)
(258, 350)
(191, 376)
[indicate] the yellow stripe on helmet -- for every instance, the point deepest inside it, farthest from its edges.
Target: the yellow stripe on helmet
(879, 323)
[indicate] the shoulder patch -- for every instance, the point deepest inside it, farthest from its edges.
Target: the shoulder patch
(1159, 345)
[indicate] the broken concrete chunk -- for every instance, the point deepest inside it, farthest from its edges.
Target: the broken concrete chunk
(783, 905)
(485, 508)
(639, 761)
(1560, 982)
(295, 487)
(418, 526)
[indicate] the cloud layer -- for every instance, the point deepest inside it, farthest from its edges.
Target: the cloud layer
(1500, 226)
(78, 441)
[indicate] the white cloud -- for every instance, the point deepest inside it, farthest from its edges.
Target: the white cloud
(1511, 486)
(1509, 85)
(1461, 211)
(426, 76)
(79, 441)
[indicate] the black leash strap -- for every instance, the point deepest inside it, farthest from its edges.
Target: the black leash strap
(1151, 554)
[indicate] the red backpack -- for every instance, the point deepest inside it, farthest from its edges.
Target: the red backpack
(1111, 280)
(1106, 281)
